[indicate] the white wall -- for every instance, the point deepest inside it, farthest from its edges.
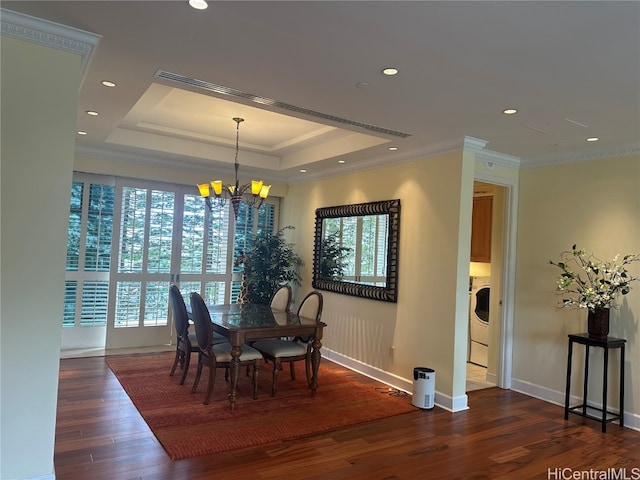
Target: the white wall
(596, 205)
(39, 90)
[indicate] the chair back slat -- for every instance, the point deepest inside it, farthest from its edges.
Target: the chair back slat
(178, 311)
(281, 300)
(311, 306)
(202, 321)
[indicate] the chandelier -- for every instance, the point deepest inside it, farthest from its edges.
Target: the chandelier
(216, 194)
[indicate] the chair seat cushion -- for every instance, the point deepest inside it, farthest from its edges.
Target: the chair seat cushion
(280, 348)
(222, 351)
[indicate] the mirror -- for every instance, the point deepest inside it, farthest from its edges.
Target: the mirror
(355, 250)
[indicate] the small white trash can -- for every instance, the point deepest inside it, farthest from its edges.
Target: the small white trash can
(424, 387)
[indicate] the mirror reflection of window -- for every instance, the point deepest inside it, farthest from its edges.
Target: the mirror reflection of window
(373, 259)
(355, 249)
(358, 245)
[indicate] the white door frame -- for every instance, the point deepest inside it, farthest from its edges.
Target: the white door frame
(507, 275)
(139, 335)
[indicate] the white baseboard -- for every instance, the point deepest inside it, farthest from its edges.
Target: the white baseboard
(460, 403)
(403, 384)
(631, 421)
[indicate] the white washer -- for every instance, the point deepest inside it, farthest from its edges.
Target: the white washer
(479, 320)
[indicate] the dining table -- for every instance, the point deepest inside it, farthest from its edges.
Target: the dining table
(242, 323)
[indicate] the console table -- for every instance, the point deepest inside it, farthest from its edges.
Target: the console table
(585, 410)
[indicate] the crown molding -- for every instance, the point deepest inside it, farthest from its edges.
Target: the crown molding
(466, 143)
(472, 144)
(50, 34)
(385, 161)
(172, 162)
(597, 153)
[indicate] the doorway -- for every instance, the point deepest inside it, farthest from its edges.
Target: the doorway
(485, 293)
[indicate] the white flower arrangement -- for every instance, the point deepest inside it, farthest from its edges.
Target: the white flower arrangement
(590, 282)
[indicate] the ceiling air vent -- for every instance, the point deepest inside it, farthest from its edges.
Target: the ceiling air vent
(232, 92)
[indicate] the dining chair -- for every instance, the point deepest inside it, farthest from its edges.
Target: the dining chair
(186, 343)
(281, 300)
(279, 351)
(217, 355)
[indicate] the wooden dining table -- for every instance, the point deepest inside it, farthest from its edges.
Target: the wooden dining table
(242, 323)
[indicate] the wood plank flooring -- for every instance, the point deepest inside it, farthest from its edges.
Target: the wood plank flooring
(504, 435)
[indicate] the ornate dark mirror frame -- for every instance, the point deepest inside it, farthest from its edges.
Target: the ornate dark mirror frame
(388, 293)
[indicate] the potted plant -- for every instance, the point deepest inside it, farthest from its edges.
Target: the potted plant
(273, 264)
(587, 282)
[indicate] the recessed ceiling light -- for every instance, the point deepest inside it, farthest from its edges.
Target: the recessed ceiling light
(302, 170)
(93, 113)
(198, 4)
(509, 111)
(108, 83)
(393, 149)
(390, 71)
(81, 132)
(341, 161)
(592, 139)
(362, 85)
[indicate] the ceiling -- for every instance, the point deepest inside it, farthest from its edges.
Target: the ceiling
(306, 77)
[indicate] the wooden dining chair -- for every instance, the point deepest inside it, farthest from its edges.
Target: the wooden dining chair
(186, 343)
(279, 351)
(214, 356)
(281, 301)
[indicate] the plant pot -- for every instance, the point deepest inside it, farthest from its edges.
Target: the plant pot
(598, 323)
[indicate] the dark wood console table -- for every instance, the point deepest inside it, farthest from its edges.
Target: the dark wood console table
(585, 410)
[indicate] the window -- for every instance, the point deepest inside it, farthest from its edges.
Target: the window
(88, 254)
(163, 235)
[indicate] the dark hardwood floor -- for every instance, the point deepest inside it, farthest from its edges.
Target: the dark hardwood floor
(504, 435)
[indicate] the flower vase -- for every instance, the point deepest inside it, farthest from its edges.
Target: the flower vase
(598, 323)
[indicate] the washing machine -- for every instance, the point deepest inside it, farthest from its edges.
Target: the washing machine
(479, 320)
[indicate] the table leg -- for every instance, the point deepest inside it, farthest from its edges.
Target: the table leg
(622, 386)
(234, 371)
(315, 363)
(586, 381)
(567, 391)
(604, 389)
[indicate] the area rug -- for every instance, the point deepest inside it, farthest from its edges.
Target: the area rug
(187, 428)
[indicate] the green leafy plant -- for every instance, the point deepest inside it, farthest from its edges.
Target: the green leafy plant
(333, 258)
(273, 263)
(591, 283)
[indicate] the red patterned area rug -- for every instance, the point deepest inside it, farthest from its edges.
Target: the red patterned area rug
(187, 428)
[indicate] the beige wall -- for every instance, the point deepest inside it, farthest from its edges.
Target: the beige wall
(596, 205)
(421, 326)
(39, 90)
